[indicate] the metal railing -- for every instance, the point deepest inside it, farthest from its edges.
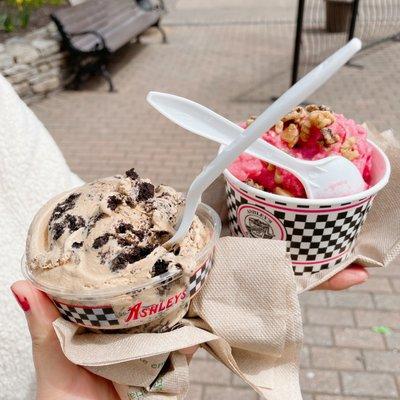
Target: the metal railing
(324, 25)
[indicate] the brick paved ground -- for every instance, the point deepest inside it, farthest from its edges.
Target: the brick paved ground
(232, 60)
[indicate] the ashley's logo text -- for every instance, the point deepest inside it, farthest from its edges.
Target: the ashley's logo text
(137, 311)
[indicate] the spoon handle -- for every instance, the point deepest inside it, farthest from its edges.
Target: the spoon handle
(202, 121)
(291, 98)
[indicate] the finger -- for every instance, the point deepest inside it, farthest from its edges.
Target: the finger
(40, 314)
(353, 275)
(189, 352)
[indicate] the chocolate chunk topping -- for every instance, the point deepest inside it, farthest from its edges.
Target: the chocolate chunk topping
(74, 222)
(131, 173)
(160, 267)
(123, 227)
(64, 206)
(146, 191)
(77, 245)
(113, 202)
(101, 241)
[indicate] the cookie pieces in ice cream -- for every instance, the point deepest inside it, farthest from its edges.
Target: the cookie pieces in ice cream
(109, 233)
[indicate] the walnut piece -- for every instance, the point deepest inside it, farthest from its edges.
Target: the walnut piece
(349, 149)
(282, 192)
(305, 130)
(290, 135)
(329, 137)
(250, 182)
(279, 127)
(321, 119)
(278, 177)
(250, 120)
(270, 167)
(315, 107)
(296, 115)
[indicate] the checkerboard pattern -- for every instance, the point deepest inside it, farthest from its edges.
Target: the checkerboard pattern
(199, 277)
(99, 317)
(318, 238)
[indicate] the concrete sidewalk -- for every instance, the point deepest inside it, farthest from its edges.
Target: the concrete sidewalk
(233, 57)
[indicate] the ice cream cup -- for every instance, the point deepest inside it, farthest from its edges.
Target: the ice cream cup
(320, 233)
(154, 306)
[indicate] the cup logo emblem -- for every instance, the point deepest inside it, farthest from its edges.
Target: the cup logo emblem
(258, 223)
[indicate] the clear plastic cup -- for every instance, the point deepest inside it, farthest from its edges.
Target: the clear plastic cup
(320, 233)
(155, 306)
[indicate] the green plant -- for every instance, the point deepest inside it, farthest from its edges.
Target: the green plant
(17, 13)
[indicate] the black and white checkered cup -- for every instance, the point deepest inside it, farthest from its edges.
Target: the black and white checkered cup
(320, 233)
(154, 306)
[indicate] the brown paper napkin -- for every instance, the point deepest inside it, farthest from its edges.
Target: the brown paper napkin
(247, 315)
(379, 242)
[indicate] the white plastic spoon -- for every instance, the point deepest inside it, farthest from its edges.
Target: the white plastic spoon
(291, 98)
(329, 177)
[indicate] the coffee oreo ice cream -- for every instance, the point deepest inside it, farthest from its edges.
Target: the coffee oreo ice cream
(109, 233)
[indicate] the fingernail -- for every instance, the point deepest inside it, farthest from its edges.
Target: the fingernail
(22, 301)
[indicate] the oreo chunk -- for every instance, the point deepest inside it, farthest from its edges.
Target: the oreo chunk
(146, 191)
(123, 259)
(123, 228)
(131, 173)
(145, 251)
(139, 234)
(113, 202)
(74, 222)
(94, 219)
(129, 201)
(119, 262)
(159, 268)
(101, 240)
(58, 230)
(77, 245)
(64, 206)
(124, 242)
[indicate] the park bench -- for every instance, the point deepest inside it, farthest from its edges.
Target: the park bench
(95, 29)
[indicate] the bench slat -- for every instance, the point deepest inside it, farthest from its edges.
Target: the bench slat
(118, 21)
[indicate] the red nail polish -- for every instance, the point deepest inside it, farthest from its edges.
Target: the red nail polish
(22, 301)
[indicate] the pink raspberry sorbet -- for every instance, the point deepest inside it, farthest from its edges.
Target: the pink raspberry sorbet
(309, 133)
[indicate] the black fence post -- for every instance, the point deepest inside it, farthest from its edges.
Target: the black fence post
(353, 20)
(297, 41)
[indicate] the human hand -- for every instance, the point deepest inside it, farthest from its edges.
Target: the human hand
(353, 275)
(57, 377)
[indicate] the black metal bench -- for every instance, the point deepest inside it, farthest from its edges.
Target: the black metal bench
(95, 29)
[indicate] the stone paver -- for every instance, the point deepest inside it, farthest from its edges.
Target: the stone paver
(320, 381)
(358, 338)
(369, 384)
(232, 56)
(343, 359)
(329, 316)
(385, 361)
